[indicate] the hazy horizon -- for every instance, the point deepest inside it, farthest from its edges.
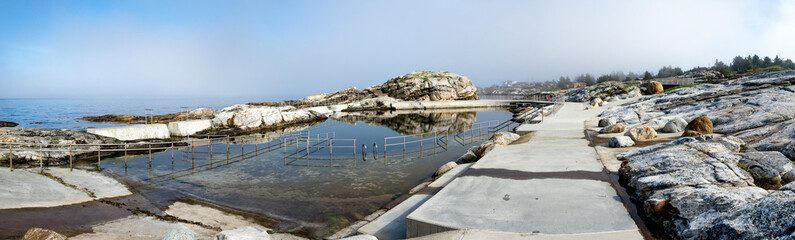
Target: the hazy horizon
(184, 49)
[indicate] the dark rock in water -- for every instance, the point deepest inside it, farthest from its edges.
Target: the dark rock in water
(113, 118)
(701, 125)
(7, 124)
(42, 234)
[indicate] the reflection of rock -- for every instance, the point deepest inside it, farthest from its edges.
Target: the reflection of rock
(413, 123)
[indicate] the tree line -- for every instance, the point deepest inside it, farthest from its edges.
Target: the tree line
(738, 65)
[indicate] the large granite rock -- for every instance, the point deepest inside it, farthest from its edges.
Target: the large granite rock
(248, 117)
(700, 189)
(655, 87)
(675, 125)
(620, 141)
(615, 128)
(641, 133)
(427, 86)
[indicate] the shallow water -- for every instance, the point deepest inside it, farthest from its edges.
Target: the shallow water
(332, 186)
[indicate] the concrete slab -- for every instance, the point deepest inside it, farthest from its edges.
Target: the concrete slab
(552, 184)
(392, 225)
(100, 185)
(543, 156)
(187, 128)
(480, 234)
(23, 188)
(548, 206)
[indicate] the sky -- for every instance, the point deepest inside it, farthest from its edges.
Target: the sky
(167, 49)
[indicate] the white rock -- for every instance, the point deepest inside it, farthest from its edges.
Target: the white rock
(445, 168)
(620, 141)
(134, 132)
(244, 233)
(187, 128)
(180, 234)
(675, 125)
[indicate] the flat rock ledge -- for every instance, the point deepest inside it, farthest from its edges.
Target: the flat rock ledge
(697, 189)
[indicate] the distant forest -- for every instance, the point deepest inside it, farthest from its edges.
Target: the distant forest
(738, 65)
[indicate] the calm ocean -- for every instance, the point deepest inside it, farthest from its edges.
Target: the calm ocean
(63, 112)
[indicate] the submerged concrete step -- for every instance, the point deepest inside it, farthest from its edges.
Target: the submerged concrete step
(392, 224)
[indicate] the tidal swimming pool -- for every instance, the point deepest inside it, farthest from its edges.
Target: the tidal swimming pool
(318, 178)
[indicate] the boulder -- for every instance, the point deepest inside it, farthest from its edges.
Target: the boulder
(243, 233)
(445, 168)
(620, 141)
(641, 133)
(180, 234)
(615, 128)
(42, 234)
(767, 168)
(700, 124)
(676, 125)
(655, 87)
(7, 124)
(691, 133)
(604, 122)
(427, 86)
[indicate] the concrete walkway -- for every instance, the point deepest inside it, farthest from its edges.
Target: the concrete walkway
(552, 185)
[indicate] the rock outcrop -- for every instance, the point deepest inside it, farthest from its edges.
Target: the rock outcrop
(249, 118)
(758, 109)
(7, 124)
(604, 90)
(427, 86)
(707, 189)
(27, 142)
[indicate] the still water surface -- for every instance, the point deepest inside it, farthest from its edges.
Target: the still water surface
(325, 190)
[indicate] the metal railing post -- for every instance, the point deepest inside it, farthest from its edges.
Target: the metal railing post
(125, 156)
(70, 157)
(41, 160)
(10, 158)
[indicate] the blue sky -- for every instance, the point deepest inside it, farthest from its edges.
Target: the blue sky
(159, 49)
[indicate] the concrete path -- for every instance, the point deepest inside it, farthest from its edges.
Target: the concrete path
(552, 185)
(25, 188)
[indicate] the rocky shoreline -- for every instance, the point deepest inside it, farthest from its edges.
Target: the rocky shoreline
(703, 185)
